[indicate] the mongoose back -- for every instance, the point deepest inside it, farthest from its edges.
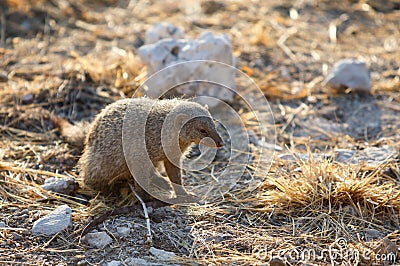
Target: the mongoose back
(103, 166)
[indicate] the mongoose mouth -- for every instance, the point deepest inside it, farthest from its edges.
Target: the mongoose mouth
(219, 144)
(209, 142)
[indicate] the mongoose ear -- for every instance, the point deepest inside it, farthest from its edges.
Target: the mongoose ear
(180, 119)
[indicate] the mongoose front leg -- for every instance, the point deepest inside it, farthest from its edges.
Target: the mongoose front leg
(174, 174)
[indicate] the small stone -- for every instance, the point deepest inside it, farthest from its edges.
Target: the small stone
(140, 262)
(18, 256)
(54, 222)
(24, 212)
(293, 157)
(276, 262)
(371, 156)
(210, 7)
(3, 225)
(97, 240)
(16, 236)
(114, 263)
(3, 76)
(149, 210)
(23, 217)
(162, 254)
(27, 98)
(349, 73)
(371, 234)
(123, 231)
(188, 228)
(82, 263)
(60, 185)
(161, 31)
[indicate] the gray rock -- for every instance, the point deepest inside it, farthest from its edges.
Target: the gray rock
(140, 262)
(3, 225)
(123, 231)
(349, 73)
(60, 185)
(16, 236)
(114, 263)
(162, 254)
(303, 156)
(54, 222)
(371, 234)
(97, 240)
(161, 31)
(317, 128)
(371, 156)
(82, 263)
(27, 98)
(3, 76)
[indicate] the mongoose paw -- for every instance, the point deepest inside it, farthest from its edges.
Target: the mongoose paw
(184, 199)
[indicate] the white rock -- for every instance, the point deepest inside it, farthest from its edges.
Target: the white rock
(114, 263)
(162, 254)
(213, 66)
(140, 262)
(123, 231)
(349, 73)
(97, 240)
(54, 222)
(60, 185)
(161, 31)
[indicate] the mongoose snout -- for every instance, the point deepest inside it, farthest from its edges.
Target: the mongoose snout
(204, 132)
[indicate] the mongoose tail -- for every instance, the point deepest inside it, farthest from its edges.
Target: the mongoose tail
(73, 134)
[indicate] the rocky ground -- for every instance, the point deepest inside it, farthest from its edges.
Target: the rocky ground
(331, 194)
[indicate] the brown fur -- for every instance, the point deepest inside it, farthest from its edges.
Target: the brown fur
(103, 166)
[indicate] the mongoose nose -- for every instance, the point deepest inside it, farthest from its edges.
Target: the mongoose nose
(219, 144)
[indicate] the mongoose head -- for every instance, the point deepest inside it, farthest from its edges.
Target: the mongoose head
(196, 125)
(199, 129)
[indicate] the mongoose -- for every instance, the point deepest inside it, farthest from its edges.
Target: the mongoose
(103, 165)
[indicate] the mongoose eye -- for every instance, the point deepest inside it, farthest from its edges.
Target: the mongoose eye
(203, 132)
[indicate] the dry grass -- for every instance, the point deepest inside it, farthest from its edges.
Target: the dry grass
(73, 62)
(303, 207)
